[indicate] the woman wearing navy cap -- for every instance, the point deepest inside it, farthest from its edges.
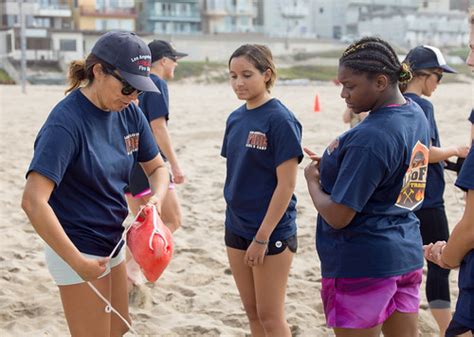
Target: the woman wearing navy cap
(459, 250)
(83, 157)
(428, 66)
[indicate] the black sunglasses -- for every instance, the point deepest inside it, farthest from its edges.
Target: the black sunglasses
(439, 76)
(172, 57)
(127, 89)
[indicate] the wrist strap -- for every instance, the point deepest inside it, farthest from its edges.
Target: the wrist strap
(260, 242)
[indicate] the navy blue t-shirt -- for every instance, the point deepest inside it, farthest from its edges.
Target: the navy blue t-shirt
(464, 313)
(435, 182)
(89, 154)
(256, 142)
(378, 169)
(471, 117)
(153, 104)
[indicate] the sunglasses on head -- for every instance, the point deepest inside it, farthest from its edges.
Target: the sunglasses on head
(127, 89)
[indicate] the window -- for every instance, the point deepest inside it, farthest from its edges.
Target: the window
(67, 45)
(9, 43)
(34, 43)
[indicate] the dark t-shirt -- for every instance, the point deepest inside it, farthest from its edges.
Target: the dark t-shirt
(155, 105)
(465, 305)
(255, 143)
(378, 169)
(435, 182)
(89, 154)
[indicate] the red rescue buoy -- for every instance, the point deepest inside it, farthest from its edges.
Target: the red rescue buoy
(150, 243)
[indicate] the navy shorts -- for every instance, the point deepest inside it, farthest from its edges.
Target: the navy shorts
(274, 247)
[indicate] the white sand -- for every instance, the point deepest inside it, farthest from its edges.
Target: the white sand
(196, 296)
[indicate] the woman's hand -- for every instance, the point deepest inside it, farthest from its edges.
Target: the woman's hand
(433, 253)
(255, 254)
(154, 201)
(90, 269)
(177, 173)
(311, 171)
(462, 151)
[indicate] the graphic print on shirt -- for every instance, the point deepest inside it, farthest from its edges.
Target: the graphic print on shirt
(414, 182)
(131, 142)
(331, 147)
(257, 140)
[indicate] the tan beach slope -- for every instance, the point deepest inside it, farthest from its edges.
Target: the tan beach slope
(196, 296)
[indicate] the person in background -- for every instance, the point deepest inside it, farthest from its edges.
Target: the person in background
(353, 119)
(155, 105)
(428, 65)
(83, 157)
(459, 250)
(262, 147)
(365, 188)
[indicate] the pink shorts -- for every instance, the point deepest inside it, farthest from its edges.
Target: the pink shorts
(362, 303)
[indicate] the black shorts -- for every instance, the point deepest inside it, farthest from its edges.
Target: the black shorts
(433, 224)
(455, 329)
(274, 247)
(139, 181)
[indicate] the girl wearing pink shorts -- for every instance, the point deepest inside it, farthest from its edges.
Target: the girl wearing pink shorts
(365, 188)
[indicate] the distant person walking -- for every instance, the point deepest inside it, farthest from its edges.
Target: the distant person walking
(365, 187)
(428, 65)
(83, 157)
(262, 147)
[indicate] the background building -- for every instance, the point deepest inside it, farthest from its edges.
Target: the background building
(104, 15)
(229, 16)
(169, 17)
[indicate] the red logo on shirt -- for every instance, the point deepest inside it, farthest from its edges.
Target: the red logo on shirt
(414, 182)
(257, 140)
(131, 142)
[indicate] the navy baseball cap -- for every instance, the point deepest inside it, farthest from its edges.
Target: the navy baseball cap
(425, 57)
(160, 49)
(129, 55)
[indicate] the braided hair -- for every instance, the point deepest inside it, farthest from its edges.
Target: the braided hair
(373, 55)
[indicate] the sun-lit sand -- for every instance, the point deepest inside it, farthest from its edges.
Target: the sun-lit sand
(196, 296)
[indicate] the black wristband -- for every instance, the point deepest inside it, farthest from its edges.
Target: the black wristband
(260, 242)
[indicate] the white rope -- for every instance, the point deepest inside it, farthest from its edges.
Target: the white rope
(156, 231)
(109, 308)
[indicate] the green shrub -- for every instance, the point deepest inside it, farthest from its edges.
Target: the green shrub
(310, 72)
(5, 78)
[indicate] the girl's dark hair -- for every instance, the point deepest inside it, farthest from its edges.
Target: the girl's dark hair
(80, 71)
(261, 57)
(373, 55)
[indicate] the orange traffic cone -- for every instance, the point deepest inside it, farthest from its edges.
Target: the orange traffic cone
(317, 107)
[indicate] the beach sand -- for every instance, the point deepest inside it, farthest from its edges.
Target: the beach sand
(196, 295)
